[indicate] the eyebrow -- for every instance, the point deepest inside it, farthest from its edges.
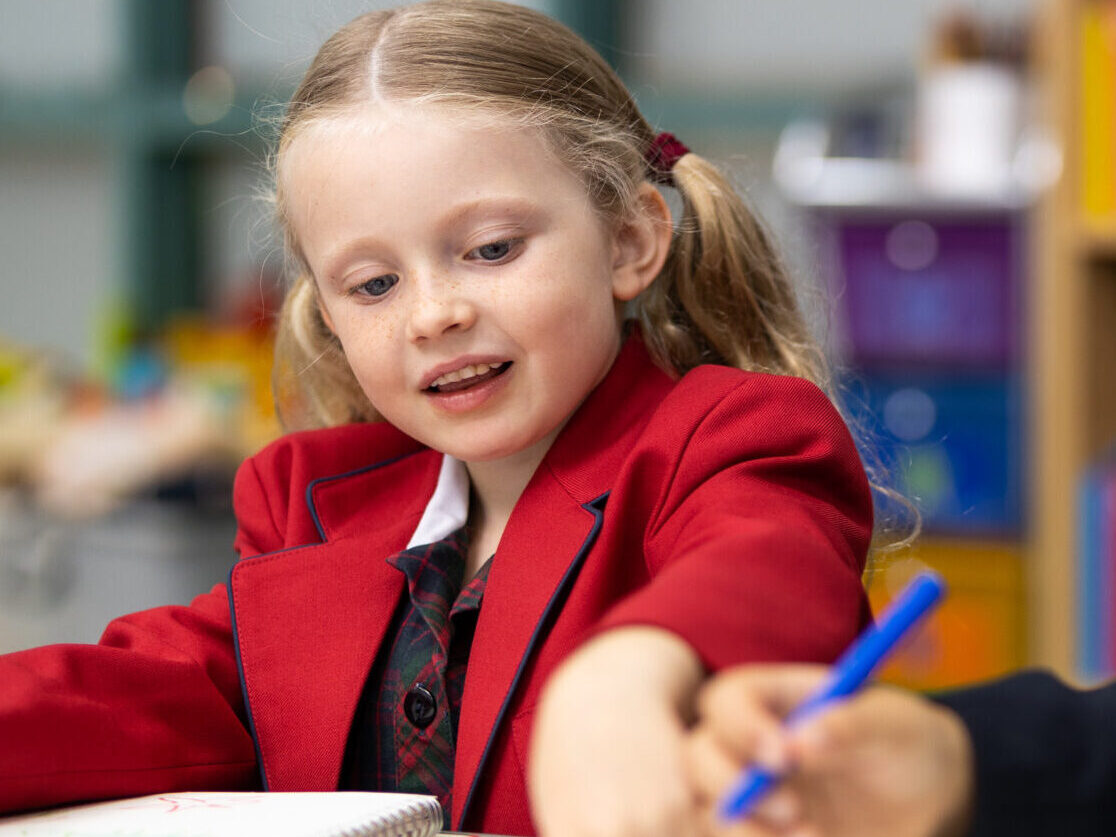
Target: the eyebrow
(489, 206)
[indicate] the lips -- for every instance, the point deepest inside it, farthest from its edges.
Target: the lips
(467, 377)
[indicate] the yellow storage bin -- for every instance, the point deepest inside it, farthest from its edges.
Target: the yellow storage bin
(977, 632)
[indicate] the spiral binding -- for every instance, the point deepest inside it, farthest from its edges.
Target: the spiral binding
(421, 818)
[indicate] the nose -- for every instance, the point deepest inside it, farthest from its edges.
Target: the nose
(439, 307)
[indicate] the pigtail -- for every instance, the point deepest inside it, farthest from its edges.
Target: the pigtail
(724, 295)
(312, 383)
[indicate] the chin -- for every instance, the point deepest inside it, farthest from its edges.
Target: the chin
(501, 447)
(487, 454)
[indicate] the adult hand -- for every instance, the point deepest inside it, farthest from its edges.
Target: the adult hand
(607, 746)
(884, 763)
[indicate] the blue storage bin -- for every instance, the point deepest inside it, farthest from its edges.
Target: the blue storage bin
(953, 445)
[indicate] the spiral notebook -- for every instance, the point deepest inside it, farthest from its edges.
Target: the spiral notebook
(347, 814)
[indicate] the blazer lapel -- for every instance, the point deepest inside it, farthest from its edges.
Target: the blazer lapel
(546, 542)
(308, 620)
(542, 549)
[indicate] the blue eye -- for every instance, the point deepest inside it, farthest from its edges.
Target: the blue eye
(377, 286)
(495, 251)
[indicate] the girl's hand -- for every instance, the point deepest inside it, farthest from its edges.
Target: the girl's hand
(885, 763)
(607, 746)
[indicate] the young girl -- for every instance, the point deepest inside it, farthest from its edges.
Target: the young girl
(523, 530)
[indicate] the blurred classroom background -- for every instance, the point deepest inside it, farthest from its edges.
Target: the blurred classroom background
(941, 176)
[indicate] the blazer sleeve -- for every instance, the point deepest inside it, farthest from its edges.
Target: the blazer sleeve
(1045, 756)
(154, 706)
(756, 548)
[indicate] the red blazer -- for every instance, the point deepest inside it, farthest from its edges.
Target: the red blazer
(730, 508)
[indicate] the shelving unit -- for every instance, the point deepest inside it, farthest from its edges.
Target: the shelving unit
(928, 296)
(1073, 344)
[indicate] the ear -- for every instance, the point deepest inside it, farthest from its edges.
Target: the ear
(640, 244)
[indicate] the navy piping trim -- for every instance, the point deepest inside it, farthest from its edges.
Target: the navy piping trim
(595, 508)
(314, 483)
(244, 685)
(240, 660)
(232, 606)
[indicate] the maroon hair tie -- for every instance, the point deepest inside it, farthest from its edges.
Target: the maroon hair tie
(662, 155)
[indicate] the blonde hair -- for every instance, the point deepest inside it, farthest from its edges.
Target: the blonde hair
(723, 296)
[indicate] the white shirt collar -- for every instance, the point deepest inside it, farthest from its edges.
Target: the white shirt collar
(448, 508)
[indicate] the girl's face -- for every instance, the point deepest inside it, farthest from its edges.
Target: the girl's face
(464, 271)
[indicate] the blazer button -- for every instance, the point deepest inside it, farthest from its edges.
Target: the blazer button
(419, 706)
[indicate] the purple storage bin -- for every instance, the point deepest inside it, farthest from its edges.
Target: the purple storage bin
(931, 290)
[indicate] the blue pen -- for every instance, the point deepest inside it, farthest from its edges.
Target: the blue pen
(847, 675)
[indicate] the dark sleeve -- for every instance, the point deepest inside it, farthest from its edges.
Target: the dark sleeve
(1045, 756)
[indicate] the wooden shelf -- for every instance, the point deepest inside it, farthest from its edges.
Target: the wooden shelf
(1072, 326)
(1097, 238)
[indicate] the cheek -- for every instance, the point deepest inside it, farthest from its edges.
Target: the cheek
(366, 342)
(552, 296)
(585, 313)
(358, 326)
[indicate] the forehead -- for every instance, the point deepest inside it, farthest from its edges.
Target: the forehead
(409, 147)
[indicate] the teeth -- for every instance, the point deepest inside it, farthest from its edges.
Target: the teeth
(464, 372)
